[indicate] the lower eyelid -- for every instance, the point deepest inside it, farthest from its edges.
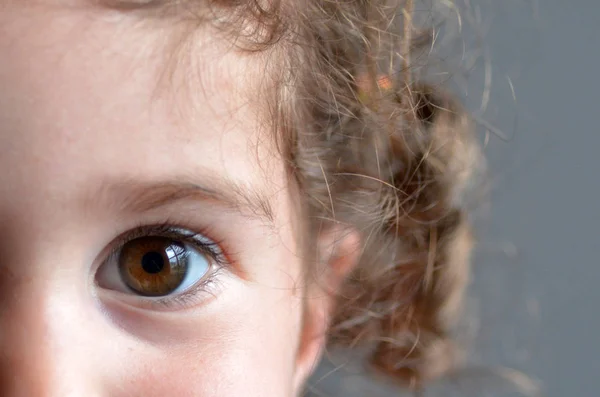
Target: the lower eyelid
(195, 297)
(199, 294)
(196, 294)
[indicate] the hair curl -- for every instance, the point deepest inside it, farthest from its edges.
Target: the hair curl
(390, 160)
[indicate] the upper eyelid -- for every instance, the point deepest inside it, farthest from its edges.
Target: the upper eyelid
(168, 231)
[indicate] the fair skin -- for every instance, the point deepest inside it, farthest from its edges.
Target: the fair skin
(97, 139)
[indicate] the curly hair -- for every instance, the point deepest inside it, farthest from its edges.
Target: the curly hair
(373, 147)
(390, 160)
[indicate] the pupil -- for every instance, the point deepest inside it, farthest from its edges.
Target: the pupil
(153, 262)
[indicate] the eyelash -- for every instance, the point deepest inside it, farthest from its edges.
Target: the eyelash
(200, 241)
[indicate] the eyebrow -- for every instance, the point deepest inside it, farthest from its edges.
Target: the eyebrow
(132, 196)
(132, 5)
(158, 8)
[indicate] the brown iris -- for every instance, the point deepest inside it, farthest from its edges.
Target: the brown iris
(153, 266)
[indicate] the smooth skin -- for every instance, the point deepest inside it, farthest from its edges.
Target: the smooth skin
(108, 125)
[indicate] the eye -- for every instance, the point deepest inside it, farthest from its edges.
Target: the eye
(158, 266)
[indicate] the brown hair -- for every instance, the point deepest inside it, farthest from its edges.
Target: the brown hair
(391, 161)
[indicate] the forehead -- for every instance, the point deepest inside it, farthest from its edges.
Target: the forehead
(91, 93)
(80, 36)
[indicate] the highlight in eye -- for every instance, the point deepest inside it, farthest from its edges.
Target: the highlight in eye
(160, 261)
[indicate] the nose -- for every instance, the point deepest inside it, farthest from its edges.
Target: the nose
(39, 355)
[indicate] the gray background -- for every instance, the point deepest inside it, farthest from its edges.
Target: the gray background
(536, 271)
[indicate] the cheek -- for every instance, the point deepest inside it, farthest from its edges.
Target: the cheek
(245, 346)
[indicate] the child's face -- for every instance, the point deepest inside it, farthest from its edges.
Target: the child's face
(109, 128)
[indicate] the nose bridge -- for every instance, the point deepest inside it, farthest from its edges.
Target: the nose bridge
(25, 351)
(38, 352)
